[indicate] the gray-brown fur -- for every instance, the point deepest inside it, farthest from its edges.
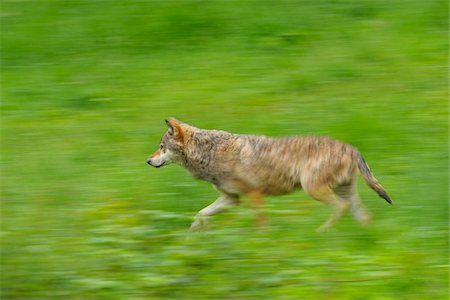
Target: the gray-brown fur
(258, 165)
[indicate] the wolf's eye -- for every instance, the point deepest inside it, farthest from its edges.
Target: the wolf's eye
(161, 146)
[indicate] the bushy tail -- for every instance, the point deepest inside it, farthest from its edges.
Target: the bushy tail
(370, 179)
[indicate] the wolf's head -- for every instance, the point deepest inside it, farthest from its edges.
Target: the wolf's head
(171, 145)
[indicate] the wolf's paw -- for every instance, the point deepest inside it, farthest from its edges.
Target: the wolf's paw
(200, 222)
(324, 228)
(365, 218)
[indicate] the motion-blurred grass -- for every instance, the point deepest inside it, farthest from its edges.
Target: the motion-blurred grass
(86, 86)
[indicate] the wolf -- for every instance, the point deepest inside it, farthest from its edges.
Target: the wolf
(257, 166)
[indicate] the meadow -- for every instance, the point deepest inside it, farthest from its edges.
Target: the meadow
(86, 87)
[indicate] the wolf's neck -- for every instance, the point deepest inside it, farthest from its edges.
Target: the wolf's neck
(202, 155)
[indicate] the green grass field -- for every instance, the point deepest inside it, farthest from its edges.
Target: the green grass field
(86, 86)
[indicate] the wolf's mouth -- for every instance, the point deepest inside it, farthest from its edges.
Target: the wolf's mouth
(160, 165)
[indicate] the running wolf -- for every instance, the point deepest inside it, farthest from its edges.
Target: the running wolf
(257, 166)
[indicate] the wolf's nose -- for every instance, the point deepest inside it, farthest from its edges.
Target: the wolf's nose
(149, 162)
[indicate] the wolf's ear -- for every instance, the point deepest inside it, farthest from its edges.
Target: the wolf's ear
(170, 127)
(175, 129)
(172, 123)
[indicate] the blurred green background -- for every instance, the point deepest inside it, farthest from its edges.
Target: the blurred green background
(86, 86)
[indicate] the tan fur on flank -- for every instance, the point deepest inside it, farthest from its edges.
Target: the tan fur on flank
(256, 166)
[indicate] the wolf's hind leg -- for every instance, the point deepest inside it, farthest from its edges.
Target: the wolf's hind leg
(222, 203)
(359, 212)
(350, 194)
(339, 206)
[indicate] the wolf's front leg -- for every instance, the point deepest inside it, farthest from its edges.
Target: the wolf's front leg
(222, 203)
(257, 201)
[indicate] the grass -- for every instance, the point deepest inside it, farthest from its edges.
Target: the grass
(86, 86)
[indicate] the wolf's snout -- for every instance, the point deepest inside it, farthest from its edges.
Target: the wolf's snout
(155, 164)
